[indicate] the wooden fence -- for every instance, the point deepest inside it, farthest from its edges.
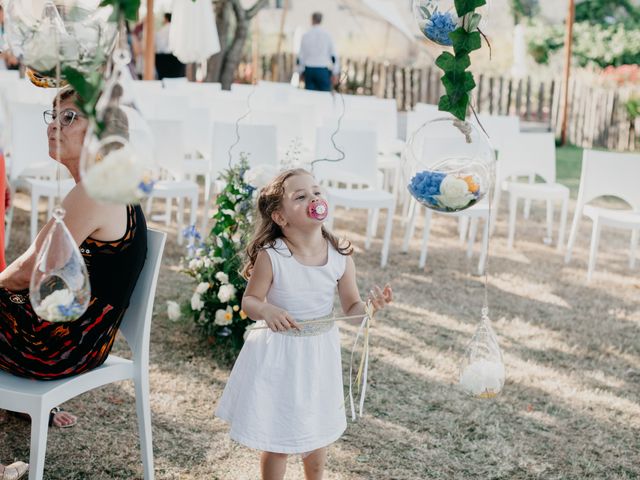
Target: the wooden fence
(597, 116)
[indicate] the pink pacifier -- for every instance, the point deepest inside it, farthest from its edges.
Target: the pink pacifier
(318, 210)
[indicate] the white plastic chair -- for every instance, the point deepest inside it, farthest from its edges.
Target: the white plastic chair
(258, 142)
(37, 398)
(607, 173)
(170, 156)
(532, 154)
(358, 168)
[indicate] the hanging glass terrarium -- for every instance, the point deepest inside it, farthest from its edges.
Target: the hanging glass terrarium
(59, 289)
(449, 164)
(116, 164)
(482, 371)
(75, 33)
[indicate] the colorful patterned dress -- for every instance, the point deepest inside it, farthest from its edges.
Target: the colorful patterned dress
(34, 348)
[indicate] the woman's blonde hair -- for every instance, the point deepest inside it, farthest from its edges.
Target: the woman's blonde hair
(267, 231)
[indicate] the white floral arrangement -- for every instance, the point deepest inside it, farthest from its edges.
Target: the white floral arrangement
(483, 378)
(446, 192)
(216, 262)
(118, 178)
(60, 306)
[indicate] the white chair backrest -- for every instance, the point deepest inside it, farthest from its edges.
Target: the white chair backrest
(136, 323)
(28, 143)
(171, 83)
(224, 107)
(277, 93)
(198, 130)
(499, 128)
(168, 141)
(360, 151)
(10, 74)
(258, 142)
(427, 108)
(288, 123)
(528, 153)
(610, 173)
(168, 105)
(417, 119)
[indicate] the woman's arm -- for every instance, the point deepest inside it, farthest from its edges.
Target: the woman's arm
(350, 299)
(82, 218)
(254, 301)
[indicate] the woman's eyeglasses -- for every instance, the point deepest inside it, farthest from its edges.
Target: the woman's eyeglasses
(66, 117)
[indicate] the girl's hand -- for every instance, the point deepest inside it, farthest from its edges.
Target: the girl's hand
(277, 319)
(379, 298)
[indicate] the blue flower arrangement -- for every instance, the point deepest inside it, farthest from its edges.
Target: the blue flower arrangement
(439, 26)
(425, 186)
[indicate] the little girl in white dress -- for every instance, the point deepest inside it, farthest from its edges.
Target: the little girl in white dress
(285, 393)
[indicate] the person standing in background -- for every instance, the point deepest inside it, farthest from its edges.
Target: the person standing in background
(318, 61)
(167, 65)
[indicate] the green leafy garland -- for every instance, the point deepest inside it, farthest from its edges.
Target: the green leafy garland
(457, 81)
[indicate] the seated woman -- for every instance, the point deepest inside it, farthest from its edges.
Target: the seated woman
(113, 242)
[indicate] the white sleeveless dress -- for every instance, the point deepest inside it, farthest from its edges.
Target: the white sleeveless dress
(285, 392)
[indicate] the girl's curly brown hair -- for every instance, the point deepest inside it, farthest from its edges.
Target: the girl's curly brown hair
(267, 231)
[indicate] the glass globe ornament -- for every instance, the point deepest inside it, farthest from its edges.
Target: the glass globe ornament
(71, 33)
(59, 289)
(482, 371)
(116, 164)
(449, 165)
(438, 18)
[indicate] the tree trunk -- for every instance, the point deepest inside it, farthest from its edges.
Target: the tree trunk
(221, 67)
(234, 54)
(223, 19)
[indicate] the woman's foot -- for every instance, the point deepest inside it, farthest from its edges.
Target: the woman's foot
(61, 419)
(14, 471)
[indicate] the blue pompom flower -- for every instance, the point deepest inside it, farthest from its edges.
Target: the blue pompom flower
(439, 26)
(425, 186)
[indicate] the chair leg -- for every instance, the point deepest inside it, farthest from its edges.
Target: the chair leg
(167, 209)
(367, 240)
(548, 240)
(593, 251)
(374, 226)
(573, 233)
(180, 212)
(494, 210)
(386, 242)
(635, 233)
(143, 410)
(411, 224)
(425, 238)
(35, 199)
(563, 222)
(148, 206)
(463, 226)
(527, 202)
(485, 247)
(513, 207)
(39, 431)
(473, 232)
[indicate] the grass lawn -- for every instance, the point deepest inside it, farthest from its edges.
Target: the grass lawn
(569, 410)
(568, 167)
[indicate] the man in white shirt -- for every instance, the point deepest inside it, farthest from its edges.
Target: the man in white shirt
(167, 64)
(318, 61)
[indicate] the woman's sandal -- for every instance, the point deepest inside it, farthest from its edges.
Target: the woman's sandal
(15, 471)
(54, 411)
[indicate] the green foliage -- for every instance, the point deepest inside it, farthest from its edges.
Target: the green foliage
(129, 8)
(633, 108)
(456, 80)
(216, 264)
(524, 9)
(599, 45)
(89, 88)
(608, 12)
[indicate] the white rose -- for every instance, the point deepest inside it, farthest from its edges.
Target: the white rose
(222, 277)
(483, 377)
(202, 287)
(48, 308)
(224, 317)
(206, 261)
(217, 260)
(260, 175)
(454, 193)
(228, 212)
(116, 178)
(226, 293)
(173, 310)
(196, 302)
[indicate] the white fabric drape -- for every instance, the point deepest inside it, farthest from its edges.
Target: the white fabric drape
(193, 36)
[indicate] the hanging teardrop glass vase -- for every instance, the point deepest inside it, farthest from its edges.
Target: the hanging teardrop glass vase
(482, 370)
(116, 164)
(75, 33)
(59, 289)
